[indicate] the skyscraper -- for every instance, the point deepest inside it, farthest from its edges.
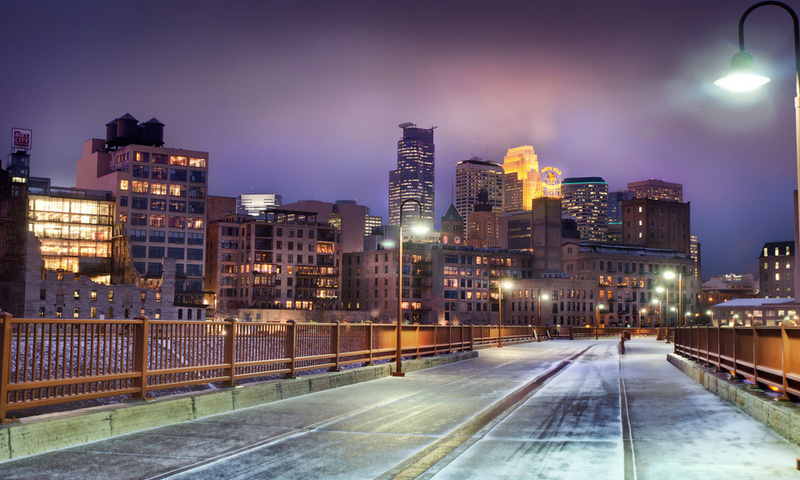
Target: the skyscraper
(472, 176)
(586, 200)
(522, 182)
(413, 178)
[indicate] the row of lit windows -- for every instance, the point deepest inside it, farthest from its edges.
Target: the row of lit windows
(70, 231)
(777, 251)
(174, 190)
(143, 219)
(69, 205)
(76, 295)
(76, 312)
(159, 158)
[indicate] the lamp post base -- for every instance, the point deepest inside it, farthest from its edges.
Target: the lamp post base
(398, 374)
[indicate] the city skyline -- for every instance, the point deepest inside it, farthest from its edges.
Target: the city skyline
(267, 87)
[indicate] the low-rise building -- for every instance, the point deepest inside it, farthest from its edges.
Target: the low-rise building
(441, 284)
(628, 278)
(287, 260)
(776, 270)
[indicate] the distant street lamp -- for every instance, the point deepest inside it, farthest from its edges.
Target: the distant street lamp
(540, 297)
(742, 77)
(501, 284)
(711, 315)
(417, 229)
(668, 275)
(642, 311)
(598, 312)
(657, 303)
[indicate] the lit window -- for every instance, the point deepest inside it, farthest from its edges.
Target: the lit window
(139, 187)
(76, 312)
(158, 189)
(197, 162)
(777, 276)
(123, 184)
(110, 297)
(178, 160)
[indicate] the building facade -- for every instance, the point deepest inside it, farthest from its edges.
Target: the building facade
(254, 204)
(74, 227)
(441, 284)
(628, 278)
(585, 199)
(160, 203)
(776, 270)
(288, 260)
(414, 177)
(472, 176)
(657, 190)
(657, 224)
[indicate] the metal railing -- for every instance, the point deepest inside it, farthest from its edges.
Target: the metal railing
(52, 361)
(767, 356)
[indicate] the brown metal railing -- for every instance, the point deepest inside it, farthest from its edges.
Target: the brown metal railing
(767, 356)
(52, 361)
(604, 332)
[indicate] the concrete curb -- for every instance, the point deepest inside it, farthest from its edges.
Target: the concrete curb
(781, 417)
(47, 432)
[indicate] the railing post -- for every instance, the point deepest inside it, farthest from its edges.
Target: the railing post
(784, 359)
(472, 337)
(141, 344)
(335, 340)
(230, 331)
(369, 341)
(755, 354)
(735, 363)
(291, 348)
(416, 332)
(5, 363)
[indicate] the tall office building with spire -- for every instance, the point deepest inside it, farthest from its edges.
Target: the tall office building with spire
(522, 182)
(413, 178)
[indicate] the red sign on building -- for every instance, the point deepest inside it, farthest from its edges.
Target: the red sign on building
(21, 139)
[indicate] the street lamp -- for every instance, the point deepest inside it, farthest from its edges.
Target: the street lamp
(642, 311)
(540, 297)
(742, 77)
(598, 312)
(657, 303)
(711, 315)
(501, 284)
(420, 228)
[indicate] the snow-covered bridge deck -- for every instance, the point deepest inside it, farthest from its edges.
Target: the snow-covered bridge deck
(539, 410)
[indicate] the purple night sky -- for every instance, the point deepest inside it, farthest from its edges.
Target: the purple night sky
(304, 98)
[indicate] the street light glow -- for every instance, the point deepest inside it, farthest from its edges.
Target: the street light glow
(742, 76)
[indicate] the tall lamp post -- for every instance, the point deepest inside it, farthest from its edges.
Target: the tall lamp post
(742, 77)
(657, 305)
(398, 371)
(539, 299)
(501, 284)
(642, 311)
(669, 275)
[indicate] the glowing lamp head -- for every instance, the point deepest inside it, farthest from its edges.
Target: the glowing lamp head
(669, 275)
(506, 284)
(420, 228)
(545, 296)
(742, 76)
